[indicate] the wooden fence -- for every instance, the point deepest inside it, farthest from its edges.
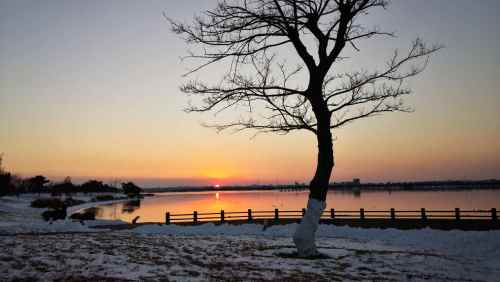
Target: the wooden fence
(332, 215)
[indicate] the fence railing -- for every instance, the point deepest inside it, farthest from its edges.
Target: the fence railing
(334, 214)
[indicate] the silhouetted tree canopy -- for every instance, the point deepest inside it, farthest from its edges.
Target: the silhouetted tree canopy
(131, 189)
(93, 186)
(282, 97)
(5, 179)
(1, 164)
(5, 183)
(66, 186)
(36, 184)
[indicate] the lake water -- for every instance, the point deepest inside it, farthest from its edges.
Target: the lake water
(153, 209)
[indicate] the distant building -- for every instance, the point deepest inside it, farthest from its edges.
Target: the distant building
(356, 181)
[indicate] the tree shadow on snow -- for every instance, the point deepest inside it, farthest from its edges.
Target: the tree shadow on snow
(295, 255)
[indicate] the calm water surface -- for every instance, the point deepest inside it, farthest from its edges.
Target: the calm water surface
(153, 209)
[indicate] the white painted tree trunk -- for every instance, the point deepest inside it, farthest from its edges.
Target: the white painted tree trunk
(304, 237)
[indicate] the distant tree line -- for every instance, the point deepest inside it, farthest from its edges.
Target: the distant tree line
(349, 186)
(420, 185)
(13, 184)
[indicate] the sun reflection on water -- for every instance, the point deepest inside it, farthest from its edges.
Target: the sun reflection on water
(153, 209)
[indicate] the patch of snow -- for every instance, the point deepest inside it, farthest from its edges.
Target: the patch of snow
(235, 252)
(74, 209)
(139, 257)
(17, 216)
(479, 244)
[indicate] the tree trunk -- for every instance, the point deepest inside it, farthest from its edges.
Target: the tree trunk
(305, 234)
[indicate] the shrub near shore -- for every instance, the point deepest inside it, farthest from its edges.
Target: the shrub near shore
(55, 203)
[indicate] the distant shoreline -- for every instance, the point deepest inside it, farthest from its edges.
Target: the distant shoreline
(348, 186)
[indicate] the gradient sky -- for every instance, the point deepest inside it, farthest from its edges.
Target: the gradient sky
(89, 89)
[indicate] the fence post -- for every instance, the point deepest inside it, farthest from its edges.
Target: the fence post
(167, 218)
(303, 211)
(332, 213)
(249, 215)
(195, 217)
(422, 212)
(276, 214)
(494, 214)
(361, 213)
(457, 213)
(221, 216)
(393, 214)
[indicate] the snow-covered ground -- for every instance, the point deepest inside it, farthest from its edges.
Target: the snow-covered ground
(17, 216)
(136, 255)
(244, 253)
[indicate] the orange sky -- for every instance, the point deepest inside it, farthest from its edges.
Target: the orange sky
(90, 90)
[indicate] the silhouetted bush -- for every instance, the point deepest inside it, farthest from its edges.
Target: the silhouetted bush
(55, 203)
(55, 214)
(87, 214)
(73, 202)
(51, 203)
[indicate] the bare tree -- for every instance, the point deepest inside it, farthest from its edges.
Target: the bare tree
(250, 35)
